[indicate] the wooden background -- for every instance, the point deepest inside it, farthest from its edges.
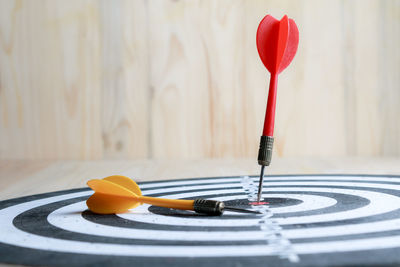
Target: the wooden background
(182, 79)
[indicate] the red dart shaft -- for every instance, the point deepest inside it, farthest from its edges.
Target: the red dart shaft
(277, 43)
(271, 104)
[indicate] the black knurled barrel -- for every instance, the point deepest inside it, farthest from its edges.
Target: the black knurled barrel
(210, 207)
(265, 150)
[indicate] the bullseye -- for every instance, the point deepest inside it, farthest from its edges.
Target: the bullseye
(258, 203)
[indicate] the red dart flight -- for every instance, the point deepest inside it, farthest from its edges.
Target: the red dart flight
(277, 42)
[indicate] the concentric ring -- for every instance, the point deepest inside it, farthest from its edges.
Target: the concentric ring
(329, 215)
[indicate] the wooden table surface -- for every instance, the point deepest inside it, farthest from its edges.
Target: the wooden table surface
(20, 177)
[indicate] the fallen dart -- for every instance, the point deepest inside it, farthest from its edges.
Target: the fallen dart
(118, 194)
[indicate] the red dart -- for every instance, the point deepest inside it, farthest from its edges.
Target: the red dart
(277, 43)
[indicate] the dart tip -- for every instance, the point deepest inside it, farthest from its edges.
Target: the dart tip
(260, 185)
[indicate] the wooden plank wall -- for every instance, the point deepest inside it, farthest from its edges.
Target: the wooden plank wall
(182, 79)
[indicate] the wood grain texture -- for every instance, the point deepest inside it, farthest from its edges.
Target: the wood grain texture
(50, 69)
(182, 79)
(199, 102)
(23, 177)
(125, 83)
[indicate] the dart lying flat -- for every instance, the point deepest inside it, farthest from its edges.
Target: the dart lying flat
(117, 194)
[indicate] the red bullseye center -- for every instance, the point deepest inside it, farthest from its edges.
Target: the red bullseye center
(258, 203)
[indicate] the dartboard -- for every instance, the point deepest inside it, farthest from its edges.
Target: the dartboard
(321, 220)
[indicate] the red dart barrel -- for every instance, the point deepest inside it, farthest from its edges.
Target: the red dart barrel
(277, 43)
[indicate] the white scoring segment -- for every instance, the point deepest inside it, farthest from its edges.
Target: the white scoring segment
(75, 223)
(308, 202)
(68, 217)
(377, 205)
(277, 178)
